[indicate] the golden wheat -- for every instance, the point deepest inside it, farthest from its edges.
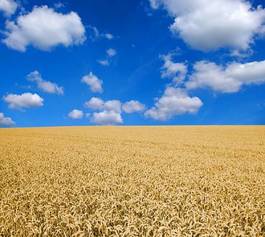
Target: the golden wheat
(132, 181)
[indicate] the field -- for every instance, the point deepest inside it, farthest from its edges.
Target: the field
(132, 181)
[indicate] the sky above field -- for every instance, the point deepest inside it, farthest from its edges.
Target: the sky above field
(132, 62)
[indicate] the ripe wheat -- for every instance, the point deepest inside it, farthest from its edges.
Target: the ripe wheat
(132, 181)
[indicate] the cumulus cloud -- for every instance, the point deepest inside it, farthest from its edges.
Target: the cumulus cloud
(44, 28)
(23, 101)
(208, 25)
(110, 111)
(96, 103)
(113, 105)
(133, 106)
(174, 101)
(227, 79)
(76, 114)
(94, 83)
(111, 52)
(45, 86)
(6, 121)
(9, 7)
(172, 70)
(106, 118)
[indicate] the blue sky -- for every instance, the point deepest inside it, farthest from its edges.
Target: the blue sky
(146, 62)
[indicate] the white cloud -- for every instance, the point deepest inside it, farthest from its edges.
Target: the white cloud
(227, 79)
(95, 103)
(133, 106)
(110, 111)
(207, 25)
(93, 82)
(113, 105)
(26, 100)
(111, 52)
(96, 34)
(173, 102)
(6, 121)
(104, 62)
(9, 7)
(76, 114)
(174, 71)
(46, 86)
(43, 28)
(106, 118)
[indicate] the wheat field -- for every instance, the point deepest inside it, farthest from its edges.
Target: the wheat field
(132, 181)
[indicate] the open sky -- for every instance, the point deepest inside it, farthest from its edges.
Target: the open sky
(132, 62)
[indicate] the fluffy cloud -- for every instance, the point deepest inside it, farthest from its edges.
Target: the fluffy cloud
(174, 71)
(98, 104)
(133, 106)
(46, 86)
(76, 114)
(106, 118)
(111, 52)
(113, 105)
(93, 82)
(173, 102)
(44, 28)
(95, 103)
(227, 79)
(110, 111)
(8, 7)
(6, 121)
(207, 25)
(26, 100)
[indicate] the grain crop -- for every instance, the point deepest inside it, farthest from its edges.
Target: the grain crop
(133, 181)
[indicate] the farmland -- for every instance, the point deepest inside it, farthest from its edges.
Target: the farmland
(132, 181)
